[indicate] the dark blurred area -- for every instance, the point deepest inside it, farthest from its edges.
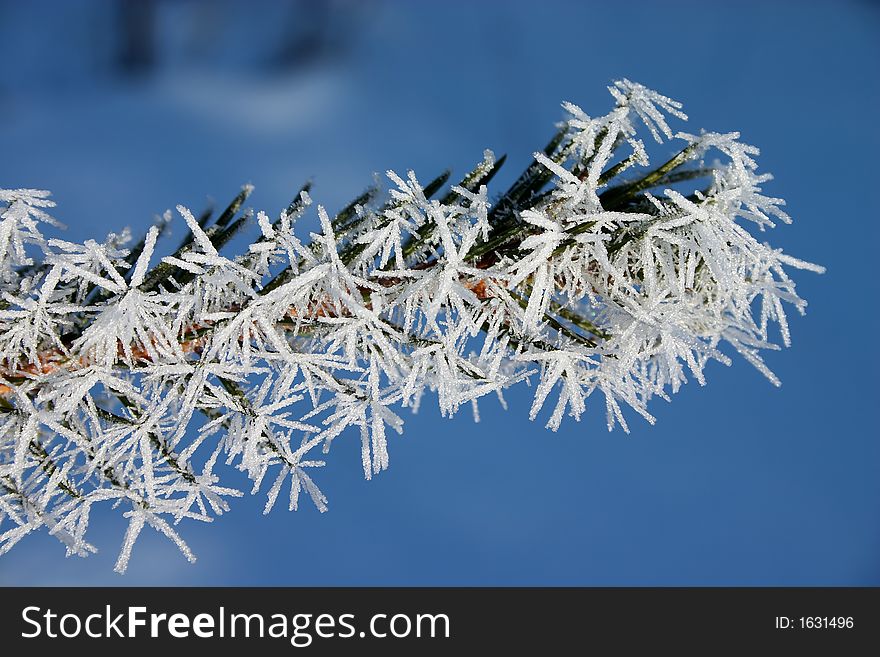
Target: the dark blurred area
(73, 43)
(298, 33)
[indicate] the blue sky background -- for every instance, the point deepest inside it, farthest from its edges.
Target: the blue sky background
(739, 483)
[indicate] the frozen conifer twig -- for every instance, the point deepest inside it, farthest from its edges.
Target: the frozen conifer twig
(126, 377)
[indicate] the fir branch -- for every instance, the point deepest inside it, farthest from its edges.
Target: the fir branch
(592, 272)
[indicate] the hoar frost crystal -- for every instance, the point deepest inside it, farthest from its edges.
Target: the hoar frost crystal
(125, 378)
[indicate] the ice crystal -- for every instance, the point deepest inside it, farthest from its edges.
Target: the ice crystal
(135, 380)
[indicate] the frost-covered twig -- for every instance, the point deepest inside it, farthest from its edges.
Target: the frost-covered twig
(127, 381)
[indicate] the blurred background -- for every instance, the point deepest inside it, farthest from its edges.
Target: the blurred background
(126, 108)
